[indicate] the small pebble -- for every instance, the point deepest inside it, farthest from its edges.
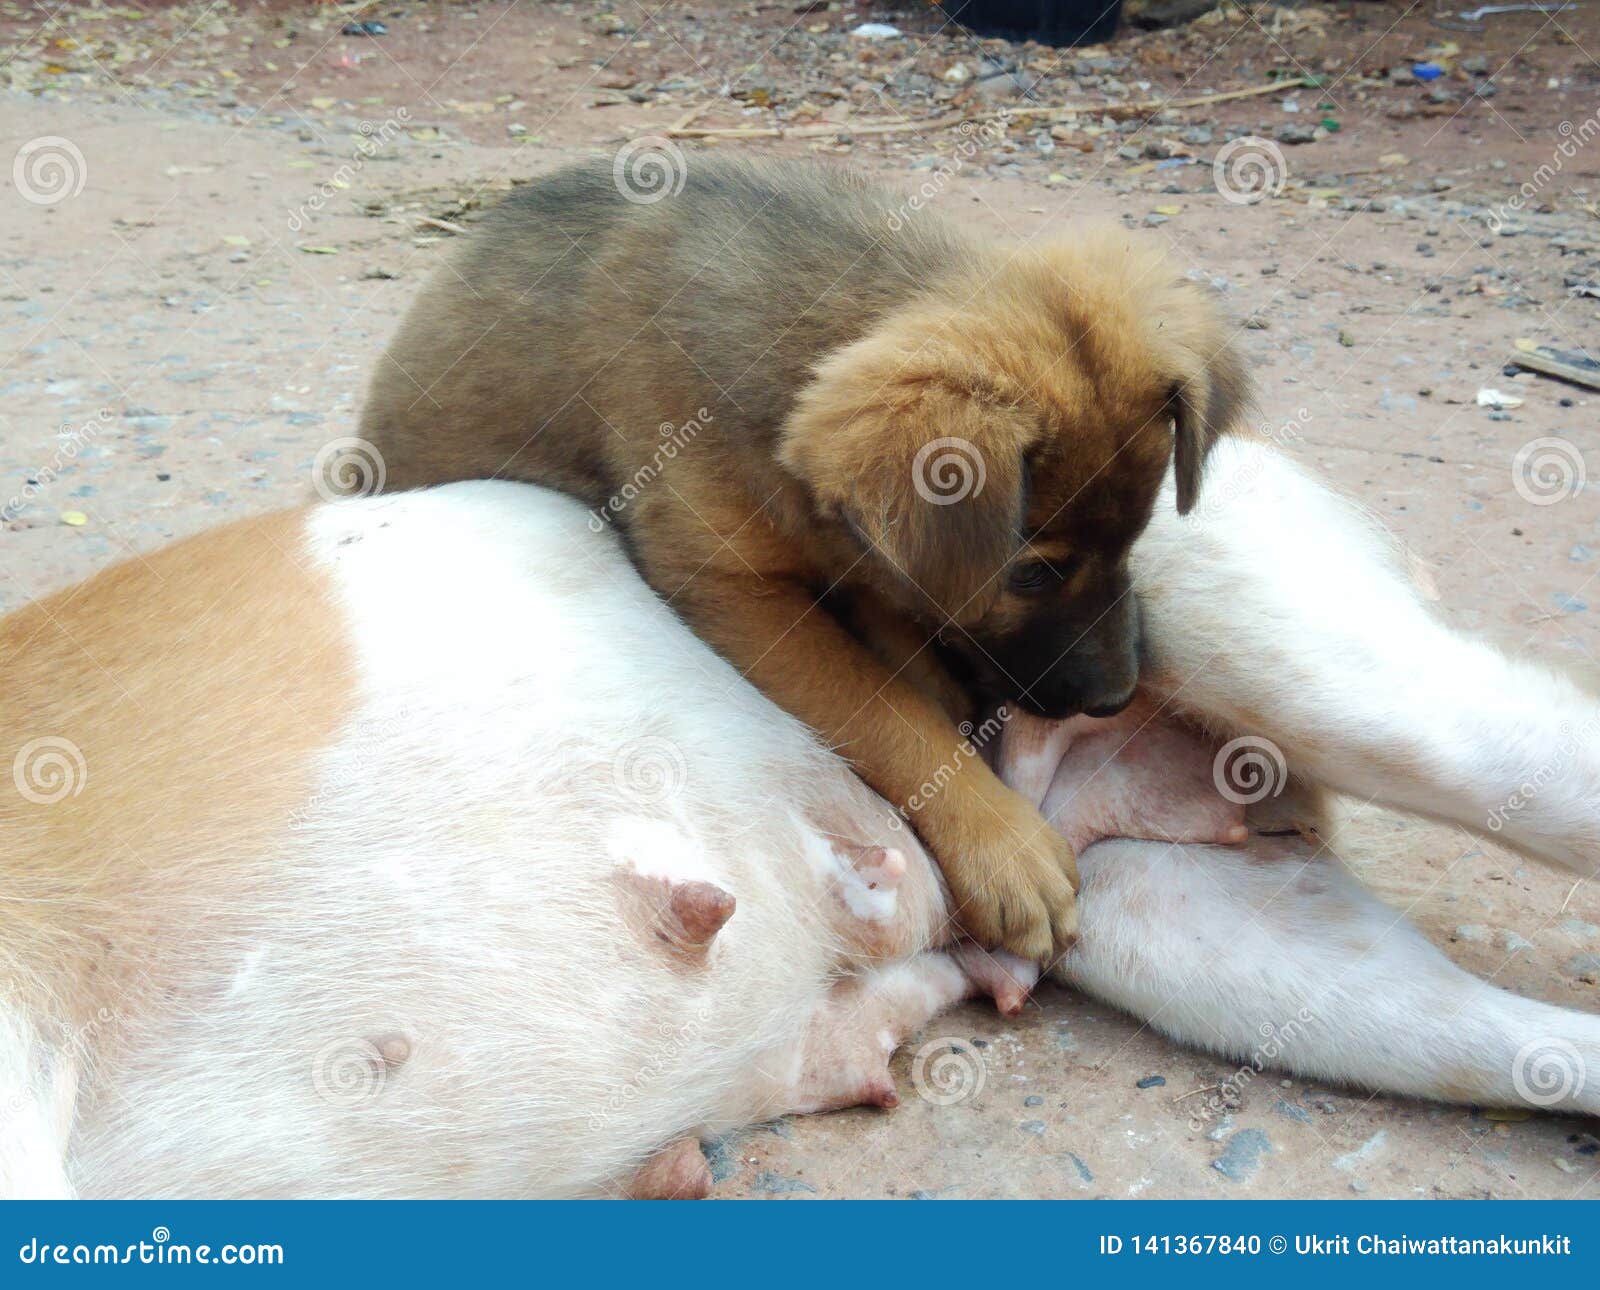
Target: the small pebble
(1243, 1155)
(1586, 967)
(769, 1183)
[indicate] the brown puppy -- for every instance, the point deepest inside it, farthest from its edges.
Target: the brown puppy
(836, 433)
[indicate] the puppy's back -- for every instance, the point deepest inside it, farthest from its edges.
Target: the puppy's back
(581, 318)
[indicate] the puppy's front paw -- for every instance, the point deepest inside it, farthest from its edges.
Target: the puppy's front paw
(1013, 878)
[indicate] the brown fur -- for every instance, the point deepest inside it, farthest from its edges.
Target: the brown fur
(196, 685)
(747, 379)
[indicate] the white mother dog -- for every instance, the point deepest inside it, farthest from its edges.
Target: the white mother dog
(389, 848)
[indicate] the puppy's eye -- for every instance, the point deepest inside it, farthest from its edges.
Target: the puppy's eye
(1031, 576)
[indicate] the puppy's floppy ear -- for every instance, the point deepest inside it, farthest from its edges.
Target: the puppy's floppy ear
(920, 456)
(1205, 406)
(1110, 285)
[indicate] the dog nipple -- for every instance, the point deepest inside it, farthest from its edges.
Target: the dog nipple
(680, 915)
(879, 868)
(700, 908)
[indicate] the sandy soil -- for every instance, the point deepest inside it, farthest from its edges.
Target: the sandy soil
(246, 200)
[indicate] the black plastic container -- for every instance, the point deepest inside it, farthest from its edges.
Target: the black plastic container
(1051, 22)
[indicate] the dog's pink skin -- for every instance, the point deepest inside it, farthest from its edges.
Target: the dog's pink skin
(1135, 775)
(677, 1172)
(999, 974)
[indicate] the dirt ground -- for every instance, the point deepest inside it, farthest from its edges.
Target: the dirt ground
(217, 212)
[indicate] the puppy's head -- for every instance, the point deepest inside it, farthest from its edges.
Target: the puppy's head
(996, 448)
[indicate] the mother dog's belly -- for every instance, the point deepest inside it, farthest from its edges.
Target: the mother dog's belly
(430, 981)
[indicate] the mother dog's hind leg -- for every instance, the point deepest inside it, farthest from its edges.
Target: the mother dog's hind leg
(1280, 961)
(1277, 609)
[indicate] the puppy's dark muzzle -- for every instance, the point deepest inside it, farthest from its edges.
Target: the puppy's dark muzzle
(1058, 703)
(1071, 664)
(1109, 707)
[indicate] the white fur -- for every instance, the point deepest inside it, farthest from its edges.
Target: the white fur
(530, 708)
(1278, 609)
(1294, 966)
(428, 987)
